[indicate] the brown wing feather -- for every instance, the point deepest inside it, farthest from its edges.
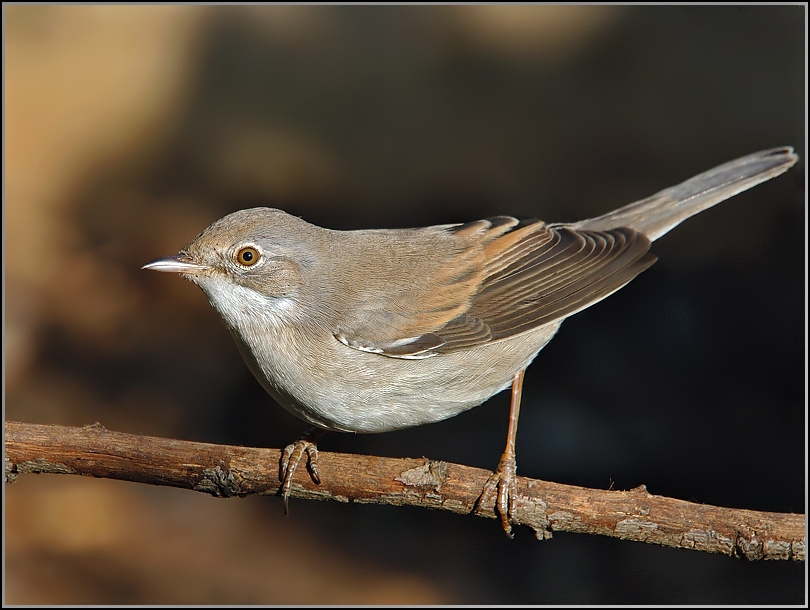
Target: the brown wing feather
(556, 273)
(400, 320)
(513, 277)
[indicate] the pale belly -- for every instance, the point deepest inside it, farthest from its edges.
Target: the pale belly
(336, 387)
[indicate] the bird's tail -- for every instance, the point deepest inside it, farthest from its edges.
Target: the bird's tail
(657, 215)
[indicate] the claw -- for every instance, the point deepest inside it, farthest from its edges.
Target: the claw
(291, 458)
(505, 476)
(504, 480)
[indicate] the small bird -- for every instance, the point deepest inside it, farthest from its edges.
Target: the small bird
(376, 330)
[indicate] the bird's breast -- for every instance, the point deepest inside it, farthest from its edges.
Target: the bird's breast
(333, 386)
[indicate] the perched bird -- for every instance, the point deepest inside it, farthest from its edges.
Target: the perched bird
(377, 330)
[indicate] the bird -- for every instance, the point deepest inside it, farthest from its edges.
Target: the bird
(370, 331)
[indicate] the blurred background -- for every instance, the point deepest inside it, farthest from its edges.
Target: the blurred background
(129, 129)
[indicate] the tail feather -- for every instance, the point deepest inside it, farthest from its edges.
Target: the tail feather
(657, 215)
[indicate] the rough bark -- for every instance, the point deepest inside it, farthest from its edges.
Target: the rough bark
(226, 471)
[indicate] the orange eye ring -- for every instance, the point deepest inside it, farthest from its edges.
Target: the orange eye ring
(247, 256)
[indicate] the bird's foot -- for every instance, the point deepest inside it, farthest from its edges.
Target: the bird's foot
(291, 457)
(504, 479)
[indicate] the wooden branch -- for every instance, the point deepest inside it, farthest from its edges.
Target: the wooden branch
(226, 471)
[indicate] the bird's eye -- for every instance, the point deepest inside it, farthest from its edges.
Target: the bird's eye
(247, 256)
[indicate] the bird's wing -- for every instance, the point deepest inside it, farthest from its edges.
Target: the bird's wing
(510, 278)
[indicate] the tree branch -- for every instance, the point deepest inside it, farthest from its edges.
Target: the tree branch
(226, 471)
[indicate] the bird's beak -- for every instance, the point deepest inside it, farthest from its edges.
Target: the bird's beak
(178, 263)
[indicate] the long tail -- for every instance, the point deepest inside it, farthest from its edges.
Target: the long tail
(664, 211)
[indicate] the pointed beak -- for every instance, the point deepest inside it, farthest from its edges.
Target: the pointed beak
(179, 263)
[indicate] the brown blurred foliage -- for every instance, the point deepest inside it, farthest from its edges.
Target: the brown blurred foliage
(131, 128)
(77, 541)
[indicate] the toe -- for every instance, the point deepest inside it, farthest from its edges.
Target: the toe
(290, 459)
(503, 483)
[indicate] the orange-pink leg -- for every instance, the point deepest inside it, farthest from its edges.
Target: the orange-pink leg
(505, 477)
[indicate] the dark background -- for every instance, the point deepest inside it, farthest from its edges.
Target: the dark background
(130, 129)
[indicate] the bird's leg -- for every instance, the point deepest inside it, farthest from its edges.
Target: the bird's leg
(291, 457)
(505, 477)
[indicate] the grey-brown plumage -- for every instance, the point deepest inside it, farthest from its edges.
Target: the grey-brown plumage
(371, 331)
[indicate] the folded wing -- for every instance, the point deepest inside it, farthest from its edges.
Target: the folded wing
(511, 278)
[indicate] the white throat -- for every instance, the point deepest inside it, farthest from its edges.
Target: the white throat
(244, 309)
